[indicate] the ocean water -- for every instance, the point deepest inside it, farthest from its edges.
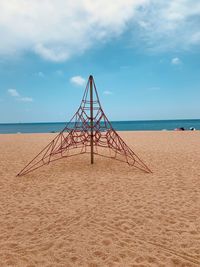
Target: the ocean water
(154, 125)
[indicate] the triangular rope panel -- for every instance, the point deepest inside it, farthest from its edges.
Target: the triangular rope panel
(89, 131)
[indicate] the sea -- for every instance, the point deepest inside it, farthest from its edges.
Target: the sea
(149, 125)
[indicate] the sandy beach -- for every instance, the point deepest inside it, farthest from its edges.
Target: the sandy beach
(71, 213)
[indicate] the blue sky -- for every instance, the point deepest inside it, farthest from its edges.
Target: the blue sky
(144, 56)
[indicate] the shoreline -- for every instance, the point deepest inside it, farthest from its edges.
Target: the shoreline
(119, 131)
(157, 125)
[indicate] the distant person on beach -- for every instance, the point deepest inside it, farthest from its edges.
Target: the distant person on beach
(183, 129)
(179, 129)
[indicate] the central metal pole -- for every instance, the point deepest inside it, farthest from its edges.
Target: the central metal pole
(91, 119)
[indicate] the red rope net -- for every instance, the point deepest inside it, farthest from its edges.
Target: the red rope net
(88, 127)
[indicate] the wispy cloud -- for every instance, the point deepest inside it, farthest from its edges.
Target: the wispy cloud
(40, 74)
(51, 52)
(78, 80)
(155, 24)
(26, 99)
(107, 92)
(59, 72)
(14, 93)
(176, 61)
(167, 25)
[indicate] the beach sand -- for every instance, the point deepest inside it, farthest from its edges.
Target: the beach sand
(71, 213)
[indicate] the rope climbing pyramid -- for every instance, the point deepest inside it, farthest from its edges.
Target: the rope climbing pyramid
(89, 131)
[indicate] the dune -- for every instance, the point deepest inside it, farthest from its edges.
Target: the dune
(72, 213)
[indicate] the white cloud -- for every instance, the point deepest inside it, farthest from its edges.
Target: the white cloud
(13, 92)
(52, 53)
(17, 96)
(195, 38)
(78, 80)
(26, 99)
(58, 30)
(176, 61)
(107, 92)
(167, 25)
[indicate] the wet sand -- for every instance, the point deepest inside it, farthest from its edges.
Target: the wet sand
(71, 213)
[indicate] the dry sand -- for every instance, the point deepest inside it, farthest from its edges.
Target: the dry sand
(71, 213)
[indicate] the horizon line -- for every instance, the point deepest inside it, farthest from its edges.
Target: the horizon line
(110, 121)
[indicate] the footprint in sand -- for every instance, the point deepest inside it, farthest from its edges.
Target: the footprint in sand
(106, 242)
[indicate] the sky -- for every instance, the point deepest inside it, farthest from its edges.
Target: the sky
(144, 56)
